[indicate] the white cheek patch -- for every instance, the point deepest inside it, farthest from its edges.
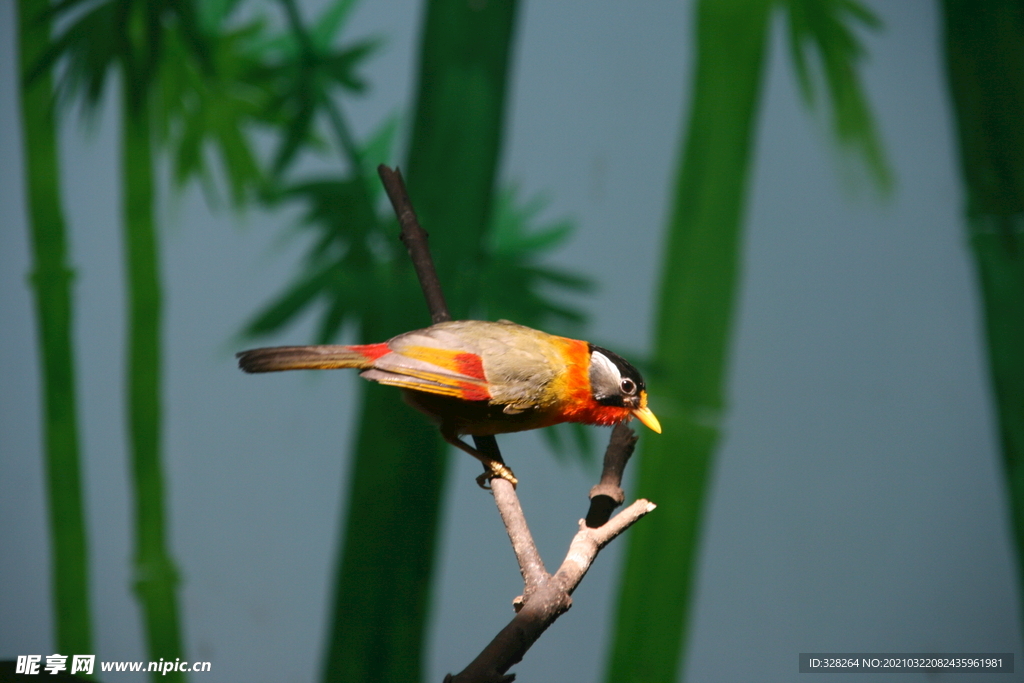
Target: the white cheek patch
(604, 366)
(604, 375)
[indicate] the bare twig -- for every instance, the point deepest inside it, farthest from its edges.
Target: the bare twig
(545, 596)
(530, 564)
(415, 239)
(608, 494)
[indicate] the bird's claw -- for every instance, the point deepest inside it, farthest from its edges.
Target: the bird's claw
(496, 470)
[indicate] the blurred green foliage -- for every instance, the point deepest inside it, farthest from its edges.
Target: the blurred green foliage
(823, 40)
(51, 280)
(984, 50)
(131, 37)
(700, 277)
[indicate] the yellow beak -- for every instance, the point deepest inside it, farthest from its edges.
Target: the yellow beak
(645, 415)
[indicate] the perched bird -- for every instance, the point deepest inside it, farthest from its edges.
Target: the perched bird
(481, 378)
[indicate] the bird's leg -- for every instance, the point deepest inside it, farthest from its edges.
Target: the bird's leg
(495, 466)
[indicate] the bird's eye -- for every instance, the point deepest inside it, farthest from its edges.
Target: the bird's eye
(628, 386)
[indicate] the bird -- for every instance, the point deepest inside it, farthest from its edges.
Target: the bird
(481, 378)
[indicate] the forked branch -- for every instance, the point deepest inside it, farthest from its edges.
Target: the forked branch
(547, 596)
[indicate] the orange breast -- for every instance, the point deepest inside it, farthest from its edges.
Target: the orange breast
(574, 398)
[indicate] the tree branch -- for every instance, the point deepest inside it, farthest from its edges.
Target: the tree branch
(530, 564)
(608, 494)
(548, 596)
(545, 596)
(415, 239)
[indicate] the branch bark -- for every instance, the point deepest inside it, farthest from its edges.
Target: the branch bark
(545, 596)
(414, 237)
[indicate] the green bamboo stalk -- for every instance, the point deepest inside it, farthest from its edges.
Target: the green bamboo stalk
(456, 135)
(51, 281)
(699, 281)
(381, 595)
(156, 577)
(984, 45)
(384, 575)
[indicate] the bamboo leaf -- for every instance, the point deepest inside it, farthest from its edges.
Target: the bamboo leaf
(825, 29)
(213, 13)
(286, 307)
(378, 150)
(330, 24)
(300, 113)
(341, 66)
(515, 245)
(203, 111)
(89, 47)
(348, 252)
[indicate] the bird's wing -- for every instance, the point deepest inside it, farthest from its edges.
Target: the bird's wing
(503, 363)
(520, 371)
(434, 363)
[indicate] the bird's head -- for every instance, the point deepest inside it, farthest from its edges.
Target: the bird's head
(614, 382)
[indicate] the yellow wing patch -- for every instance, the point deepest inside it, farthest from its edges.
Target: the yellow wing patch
(410, 383)
(437, 371)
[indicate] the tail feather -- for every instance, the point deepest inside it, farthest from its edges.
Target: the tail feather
(327, 357)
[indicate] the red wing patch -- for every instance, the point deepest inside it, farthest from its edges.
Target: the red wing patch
(470, 365)
(371, 352)
(473, 392)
